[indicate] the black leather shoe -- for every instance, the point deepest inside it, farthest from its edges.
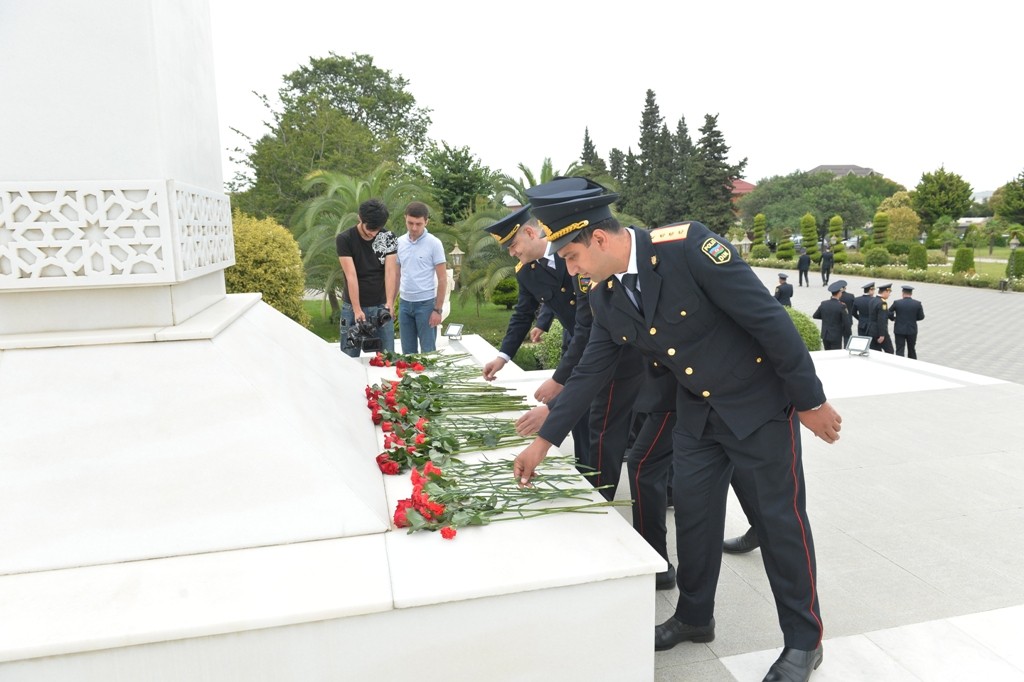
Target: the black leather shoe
(673, 631)
(666, 580)
(747, 542)
(794, 665)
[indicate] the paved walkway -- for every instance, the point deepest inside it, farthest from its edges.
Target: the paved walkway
(978, 330)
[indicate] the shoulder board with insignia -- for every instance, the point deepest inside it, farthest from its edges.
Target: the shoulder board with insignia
(670, 233)
(519, 266)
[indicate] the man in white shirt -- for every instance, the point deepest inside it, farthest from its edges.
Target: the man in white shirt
(422, 280)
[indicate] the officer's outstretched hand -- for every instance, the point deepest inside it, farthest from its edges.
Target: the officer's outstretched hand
(535, 334)
(530, 423)
(547, 391)
(492, 368)
(824, 422)
(528, 460)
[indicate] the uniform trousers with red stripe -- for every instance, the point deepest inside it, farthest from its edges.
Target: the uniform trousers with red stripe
(767, 471)
(647, 465)
(611, 413)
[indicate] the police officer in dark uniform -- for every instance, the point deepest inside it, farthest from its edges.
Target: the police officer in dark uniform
(543, 281)
(834, 318)
(878, 320)
(687, 300)
(847, 299)
(906, 313)
(861, 305)
(784, 292)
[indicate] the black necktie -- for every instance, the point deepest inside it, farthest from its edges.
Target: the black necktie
(629, 280)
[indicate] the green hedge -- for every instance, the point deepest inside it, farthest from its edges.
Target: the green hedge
(808, 329)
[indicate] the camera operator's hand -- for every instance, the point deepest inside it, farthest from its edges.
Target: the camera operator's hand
(492, 368)
(358, 313)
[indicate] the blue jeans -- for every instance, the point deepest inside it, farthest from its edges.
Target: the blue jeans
(386, 332)
(414, 325)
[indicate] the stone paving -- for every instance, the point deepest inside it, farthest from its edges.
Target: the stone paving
(977, 330)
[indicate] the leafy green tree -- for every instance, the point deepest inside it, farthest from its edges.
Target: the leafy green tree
(809, 232)
(873, 189)
(904, 224)
(897, 200)
(1010, 205)
(298, 142)
(617, 164)
(944, 230)
(516, 188)
(335, 208)
(648, 190)
(682, 159)
(338, 114)
(711, 180)
(941, 193)
(760, 224)
(458, 180)
(785, 199)
(367, 94)
(880, 228)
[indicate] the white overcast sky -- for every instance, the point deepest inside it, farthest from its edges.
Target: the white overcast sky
(901, 87)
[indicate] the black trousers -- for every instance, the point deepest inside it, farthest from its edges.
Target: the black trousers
(831, 345)
(767, 471)
(805, 277)
(885, 345)
(611, 415)
(649, 465)
(911, 342)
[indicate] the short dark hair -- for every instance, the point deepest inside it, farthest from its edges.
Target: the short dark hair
(608, 225)
(417, 209)
(373, 214)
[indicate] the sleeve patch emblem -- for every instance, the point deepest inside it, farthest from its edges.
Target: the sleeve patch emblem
(718, 252)
(670, 233)
(584, 283)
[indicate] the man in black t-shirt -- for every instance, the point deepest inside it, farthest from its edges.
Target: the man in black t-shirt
(367, 253)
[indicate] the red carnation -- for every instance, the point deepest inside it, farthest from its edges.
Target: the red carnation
(400, 520)
(377, 418)
(403, 410)
(387, 465)
(386, 426)
(448, 532)
(417, 367)
(400, 372)
(421, 424)
(421, 438)
(402, 364)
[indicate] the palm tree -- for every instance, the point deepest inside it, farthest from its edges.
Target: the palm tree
(516, 189)
(335, 209)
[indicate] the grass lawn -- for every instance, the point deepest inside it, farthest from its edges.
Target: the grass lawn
(489, 322)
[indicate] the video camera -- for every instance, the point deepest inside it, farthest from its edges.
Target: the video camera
(363, 334)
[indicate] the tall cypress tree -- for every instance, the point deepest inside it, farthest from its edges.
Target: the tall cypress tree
(711, 179)
(682, 160)
(589, 157)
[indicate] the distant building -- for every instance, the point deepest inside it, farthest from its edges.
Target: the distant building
(842, 171)
(741, 187)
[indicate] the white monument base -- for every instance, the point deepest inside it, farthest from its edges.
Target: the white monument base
(256, 543)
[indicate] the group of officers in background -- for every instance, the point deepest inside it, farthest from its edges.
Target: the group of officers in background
(872, 313)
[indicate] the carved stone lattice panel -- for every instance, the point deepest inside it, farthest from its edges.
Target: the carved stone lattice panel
(203, 229)
(60, 235)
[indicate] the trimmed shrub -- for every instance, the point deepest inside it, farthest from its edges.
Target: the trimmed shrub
(808, 329)
(1016, 260)
(549, 350)
(785, 250)
(963, 261)
(267, 260)
(898, 248)
(506, 293)
(760, 251)
(876, 257)
(917, 259)
(526, 357)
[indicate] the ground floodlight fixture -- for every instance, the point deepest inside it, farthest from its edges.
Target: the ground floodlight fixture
(454, 331)
(859, 345)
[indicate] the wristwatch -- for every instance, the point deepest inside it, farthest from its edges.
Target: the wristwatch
(437, 310)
